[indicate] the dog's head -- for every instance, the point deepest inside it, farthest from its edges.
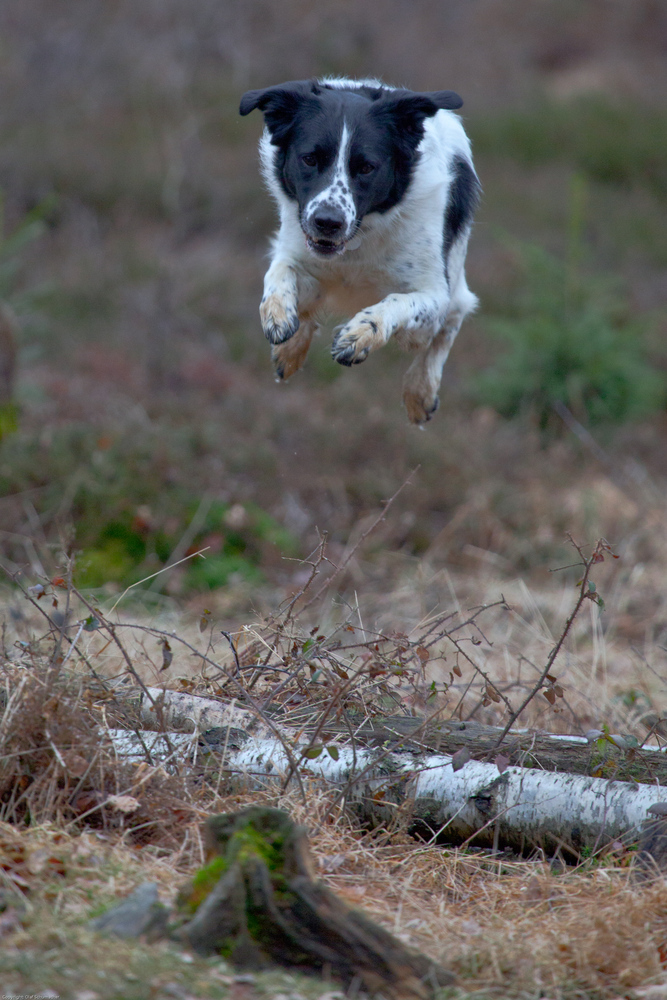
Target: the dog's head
(343, 152)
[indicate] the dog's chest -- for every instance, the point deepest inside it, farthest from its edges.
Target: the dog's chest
(347, 285)
(345, 296)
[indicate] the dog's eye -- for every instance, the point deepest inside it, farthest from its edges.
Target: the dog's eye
(366, 168)
(309, 159)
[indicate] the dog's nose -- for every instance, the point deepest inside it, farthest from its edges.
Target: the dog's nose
(328, 223)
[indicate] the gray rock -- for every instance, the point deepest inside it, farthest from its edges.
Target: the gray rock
(139, 913)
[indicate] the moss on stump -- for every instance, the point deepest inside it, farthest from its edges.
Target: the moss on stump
(257, 904)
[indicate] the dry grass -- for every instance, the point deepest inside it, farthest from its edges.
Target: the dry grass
(54, 881)
(136, 403)
(509, 927)
(479, 626)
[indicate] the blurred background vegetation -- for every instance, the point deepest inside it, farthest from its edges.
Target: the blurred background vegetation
(139, 418)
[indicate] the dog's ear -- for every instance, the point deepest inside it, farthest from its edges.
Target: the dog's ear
(407, 110)
(279, 105)
(446, 100)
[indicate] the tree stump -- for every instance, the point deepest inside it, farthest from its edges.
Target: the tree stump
(257, 904)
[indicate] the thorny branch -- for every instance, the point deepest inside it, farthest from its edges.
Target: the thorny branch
(317, 682)
(587, 592)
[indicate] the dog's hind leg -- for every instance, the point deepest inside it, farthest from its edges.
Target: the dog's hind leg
(289, 356)
(423, 377)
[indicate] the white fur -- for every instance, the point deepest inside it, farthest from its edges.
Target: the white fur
(393, 282)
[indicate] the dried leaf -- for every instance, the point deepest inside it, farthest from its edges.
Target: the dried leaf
(85, 801)
(457, 670)
(58, 581)
(623, 741)
(501, 762)
(44, 860)
(558, 690)
(75, 763)
(204, 620)
(423, 654)
(123, 803)
(492, 693)
(167, 654)
(36, 863)
(460, 758)
(550, 695)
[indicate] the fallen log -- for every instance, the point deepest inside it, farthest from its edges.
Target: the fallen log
(161, 709)
(605, 757)
(520, 808)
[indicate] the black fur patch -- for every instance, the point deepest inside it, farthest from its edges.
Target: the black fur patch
(464, 195)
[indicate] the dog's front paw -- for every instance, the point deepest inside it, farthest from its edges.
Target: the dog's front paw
(280, 318)
(420, 406)
(353, 344)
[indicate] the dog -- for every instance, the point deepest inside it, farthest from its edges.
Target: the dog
(376, 192)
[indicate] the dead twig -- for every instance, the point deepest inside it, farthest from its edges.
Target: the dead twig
(587, 592)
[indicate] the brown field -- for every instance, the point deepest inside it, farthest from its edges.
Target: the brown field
(144, 425)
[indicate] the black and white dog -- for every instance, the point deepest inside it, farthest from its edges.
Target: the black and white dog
(380, 183)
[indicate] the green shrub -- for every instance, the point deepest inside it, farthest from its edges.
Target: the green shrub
(569, 339)
(239, 540)
(131, 498)
(219, 570)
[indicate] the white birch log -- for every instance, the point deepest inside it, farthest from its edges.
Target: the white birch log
(188, 713)
(520, 808)
(192, 712)
(615, 756)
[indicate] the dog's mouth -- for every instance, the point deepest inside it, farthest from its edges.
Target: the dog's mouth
(326, 248)
(330, 248)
